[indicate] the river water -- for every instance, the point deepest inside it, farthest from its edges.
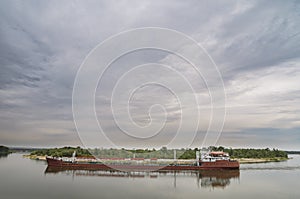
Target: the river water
(24, 178)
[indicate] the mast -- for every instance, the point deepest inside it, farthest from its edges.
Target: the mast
(73, 156)
(197, 157)
(175, 155)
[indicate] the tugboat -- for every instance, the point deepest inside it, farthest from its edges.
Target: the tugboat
(208, 160)
(218, 159)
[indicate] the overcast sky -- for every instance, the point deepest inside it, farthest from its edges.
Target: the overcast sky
(255, 44)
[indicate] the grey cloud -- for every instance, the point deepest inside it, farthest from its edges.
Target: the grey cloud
(42, 45)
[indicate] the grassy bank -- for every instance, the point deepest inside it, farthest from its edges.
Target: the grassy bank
(259, 160)
(35, 157)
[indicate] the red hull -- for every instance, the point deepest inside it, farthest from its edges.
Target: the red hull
(220, 164)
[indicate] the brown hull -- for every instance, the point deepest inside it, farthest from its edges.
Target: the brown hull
(221, 164)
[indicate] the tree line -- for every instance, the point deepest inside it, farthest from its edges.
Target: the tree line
(253, 153)
(161, 153)
(61, 152)
(4, 151)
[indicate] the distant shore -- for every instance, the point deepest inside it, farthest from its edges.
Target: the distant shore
(4, 151)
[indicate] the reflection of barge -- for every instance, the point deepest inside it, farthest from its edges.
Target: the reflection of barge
(210, 160)
(205, 178)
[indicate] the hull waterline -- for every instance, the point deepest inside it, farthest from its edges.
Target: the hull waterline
(221, 164)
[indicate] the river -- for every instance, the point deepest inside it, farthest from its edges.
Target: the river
(25, 178)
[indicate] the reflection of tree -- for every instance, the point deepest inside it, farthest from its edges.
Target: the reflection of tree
(206, 178)
(3, 155)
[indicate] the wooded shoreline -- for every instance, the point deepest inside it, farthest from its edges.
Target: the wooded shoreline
(244, 156)
(4, 151)
(241, 160)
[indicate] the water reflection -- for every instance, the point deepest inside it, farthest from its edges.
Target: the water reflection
(204, 178)
(3, 155)
(217, 179)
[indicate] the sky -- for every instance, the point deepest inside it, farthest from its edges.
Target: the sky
(254, 44)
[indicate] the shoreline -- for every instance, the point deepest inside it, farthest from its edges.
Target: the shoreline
(260, 160)
(240, 160)
(35, 157)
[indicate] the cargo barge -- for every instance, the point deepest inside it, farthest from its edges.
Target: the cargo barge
(210, 160)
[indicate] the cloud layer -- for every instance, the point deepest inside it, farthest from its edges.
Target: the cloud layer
(255, 45)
